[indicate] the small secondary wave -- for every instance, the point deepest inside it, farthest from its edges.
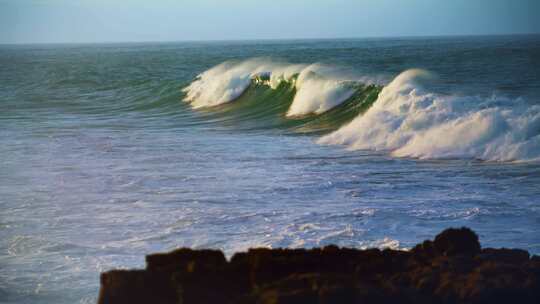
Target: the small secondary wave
(402, 117)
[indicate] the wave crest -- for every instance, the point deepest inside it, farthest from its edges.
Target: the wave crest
(318, 88)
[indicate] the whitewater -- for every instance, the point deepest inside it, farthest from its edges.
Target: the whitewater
(110, 152)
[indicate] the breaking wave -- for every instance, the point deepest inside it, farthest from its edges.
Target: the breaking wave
(318, 88)
(401, 118)
(410, 122)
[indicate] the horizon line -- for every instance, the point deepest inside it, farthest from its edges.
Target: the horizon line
(267, 39)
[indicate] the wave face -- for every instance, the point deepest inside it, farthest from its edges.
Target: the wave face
(410, 122)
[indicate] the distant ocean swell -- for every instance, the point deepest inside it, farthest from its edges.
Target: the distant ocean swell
(401, 117)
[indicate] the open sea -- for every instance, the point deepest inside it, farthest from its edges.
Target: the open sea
(109, 152)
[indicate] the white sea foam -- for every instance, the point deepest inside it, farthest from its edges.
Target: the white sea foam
(410, 122)
(319, 88)
(316, 93)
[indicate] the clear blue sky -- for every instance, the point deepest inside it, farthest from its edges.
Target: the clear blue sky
(37, 21)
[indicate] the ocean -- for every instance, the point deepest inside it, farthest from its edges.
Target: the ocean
(110, 152)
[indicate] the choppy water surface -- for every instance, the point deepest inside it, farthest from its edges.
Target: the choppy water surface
(111, 152)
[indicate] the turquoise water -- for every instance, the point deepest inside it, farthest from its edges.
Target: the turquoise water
(113, 151)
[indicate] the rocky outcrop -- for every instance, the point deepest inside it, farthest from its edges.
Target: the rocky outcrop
(451, 269)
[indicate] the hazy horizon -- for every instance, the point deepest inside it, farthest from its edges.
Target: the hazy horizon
(85, 21)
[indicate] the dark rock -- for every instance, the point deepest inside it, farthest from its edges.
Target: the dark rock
(451, 269)
(185, 258)
(462, 241)
(504, 255)
(136, 286)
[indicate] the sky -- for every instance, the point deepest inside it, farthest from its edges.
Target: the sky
(79, 21)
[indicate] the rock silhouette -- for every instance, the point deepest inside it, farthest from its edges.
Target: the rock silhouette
(451, 269)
